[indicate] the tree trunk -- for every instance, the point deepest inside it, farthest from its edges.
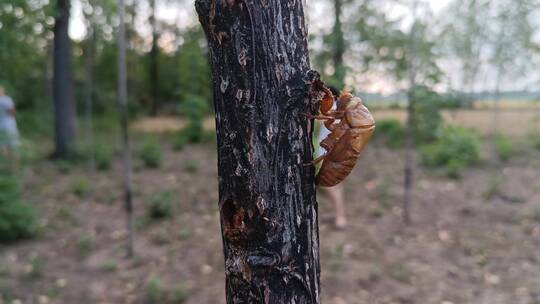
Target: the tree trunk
(410, 139)
(262, 87)
(339, 45)
(154, 52)
(123, 109)
(90, 51)
(495, 159)
(64, 109)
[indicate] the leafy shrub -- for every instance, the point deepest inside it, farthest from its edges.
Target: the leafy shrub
(86, 244)
(391, 131)
(191, 166)
(180, 141)
(455, 149)
(155, 290)
(504, 147)
(179, 294)
(17, 220)
(453, 167)
(150, 153)
(185, 234)
(194, 109)
(402, 274)
(37, 266)
(428, 120)
(103, 157)
(80, 187)
(9, 188)
(27, 152)
(192, 133)
(110, 265)
(64, 166)
(457, 101)
(534, 139)
(493, 188)
(160, 204)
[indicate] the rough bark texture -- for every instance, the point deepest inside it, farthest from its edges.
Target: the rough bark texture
(262, 85)
(64, 108)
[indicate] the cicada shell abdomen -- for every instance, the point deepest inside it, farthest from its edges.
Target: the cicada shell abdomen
(340, 161)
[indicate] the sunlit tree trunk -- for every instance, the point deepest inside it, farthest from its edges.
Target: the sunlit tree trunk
(64, 107)
(262, 86)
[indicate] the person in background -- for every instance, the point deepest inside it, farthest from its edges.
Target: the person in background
(9, 135)
(335, 193)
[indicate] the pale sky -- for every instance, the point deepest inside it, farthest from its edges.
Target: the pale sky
(185, 14)
(182, 14)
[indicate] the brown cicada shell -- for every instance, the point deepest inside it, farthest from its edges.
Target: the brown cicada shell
(351, 126)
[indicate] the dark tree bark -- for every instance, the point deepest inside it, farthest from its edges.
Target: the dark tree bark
(154, 52)
(262, 85)
(64, 107)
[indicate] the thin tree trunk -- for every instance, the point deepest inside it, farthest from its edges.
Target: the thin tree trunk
(495, 116)
(339, 47)
(132, 59)
(410, 140)
(64, 108)
(262, 87)
(154, 52)
(89, 98)
(123, 108)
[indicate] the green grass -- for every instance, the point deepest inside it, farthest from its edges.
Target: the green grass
(493, 187)
(504, 147)
(390, 132)
(185, 234)
(85, 245)
(160, 204)
(103, 157)
(402, 274)
(455, 149)
(17, 220)
(155, 291)
(150, 153)
(80, 187)
(37, 267)
(191, 166)
(158, 293)
(110, 265)
(534, 139)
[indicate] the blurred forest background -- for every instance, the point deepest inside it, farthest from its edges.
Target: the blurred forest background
(466, 69)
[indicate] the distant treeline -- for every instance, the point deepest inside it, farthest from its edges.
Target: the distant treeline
(485, 96)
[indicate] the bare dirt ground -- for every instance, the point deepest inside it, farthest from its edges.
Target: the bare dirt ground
(468, 243)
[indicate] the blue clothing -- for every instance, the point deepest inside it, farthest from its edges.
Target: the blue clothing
(9, 135)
